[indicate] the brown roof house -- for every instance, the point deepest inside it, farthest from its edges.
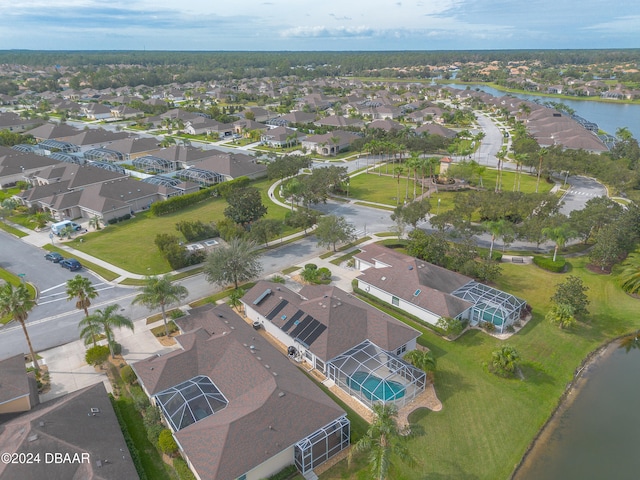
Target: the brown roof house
(18, 390)
(330, 143)
(76, 436)
(352, 343)
(237, 407)
(430, 292)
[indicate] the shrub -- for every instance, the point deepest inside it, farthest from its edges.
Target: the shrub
(278, 279)
(128, 375)
(488, 326)
(177, 313)
(117, 349)
(97, 355)
(167, 443)
(452, 327)
(152, 423)
(182, 469)
(197, 230)
(173, 204)
(547, 263)
(323, 275)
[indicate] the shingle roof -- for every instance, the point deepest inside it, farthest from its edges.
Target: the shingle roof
(272, 405)
(14, 382)
(348, 320)
(66, 425)
(403, 276)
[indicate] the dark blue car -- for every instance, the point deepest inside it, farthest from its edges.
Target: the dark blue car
(71, 263)
(54, 257)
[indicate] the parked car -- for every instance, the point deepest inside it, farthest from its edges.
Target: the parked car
(71, 263)
(54, 257)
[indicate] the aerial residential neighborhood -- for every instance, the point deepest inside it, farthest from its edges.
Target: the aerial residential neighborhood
(285, 274)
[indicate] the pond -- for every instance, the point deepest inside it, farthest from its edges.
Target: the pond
(598, 434)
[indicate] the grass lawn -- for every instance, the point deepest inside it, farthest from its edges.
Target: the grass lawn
(380, 189)
(487, 422)
(12, 230)
(151, 460)
(130, 244)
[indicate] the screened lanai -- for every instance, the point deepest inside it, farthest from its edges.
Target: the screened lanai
(190, 401)
(373, 375)
(202, 177)
(322, 444)
(58, 146)
(103, 155)
(109, 166)
(164, 181)
(491, 305)
(151, 164)
(64, 157)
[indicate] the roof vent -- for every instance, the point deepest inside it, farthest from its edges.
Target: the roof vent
(274, 374)
(266, 366)
(410, 267)
(41, 424)
(32, 438)
(383, 278)
(259, 358)
(281, 394)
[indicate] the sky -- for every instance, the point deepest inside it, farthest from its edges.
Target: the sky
(281, 25)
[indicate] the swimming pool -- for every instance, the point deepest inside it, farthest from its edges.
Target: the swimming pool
(375, 388)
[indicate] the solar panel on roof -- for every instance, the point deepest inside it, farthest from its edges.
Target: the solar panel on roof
(296, 331)
(308, 329)
(315, 334)
(276, 310)
(292, 320)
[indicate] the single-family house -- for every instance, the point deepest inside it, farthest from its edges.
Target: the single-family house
(347, 340)
(237, 407)
(430, 292)
(74, 436)
(281, 137)
(18, 390)
(329, 143)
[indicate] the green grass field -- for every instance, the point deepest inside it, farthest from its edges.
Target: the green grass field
(130, 244)
(487, 422)
(384, 189)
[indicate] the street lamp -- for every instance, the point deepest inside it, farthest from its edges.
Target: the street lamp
(438, 209)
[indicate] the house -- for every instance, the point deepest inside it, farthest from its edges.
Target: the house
(385, 125)
(74, 436)
(53, 131)
(17, 166)
(430, 292)
(434, 129)
(292, 118)
(350, 342)
(281, 137)
(96, 111)
(339, 121)
(14, 123)
(236, 406)
(231, 165)
(329, 143)
(18, 390)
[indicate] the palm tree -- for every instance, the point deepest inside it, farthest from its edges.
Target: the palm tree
(562, 315)
(160, 292)
(40, 219)
(94, 222)
(505, 360)
(630, 275)
(501, 155)
(541, 153)
(381, 440)
(106, 320)
(17, 302)
(422, 359)
(234, 298)
(80, 288)
(559, 236)
(497, 228)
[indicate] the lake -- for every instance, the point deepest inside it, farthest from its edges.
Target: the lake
(609, 116)
(597, 436)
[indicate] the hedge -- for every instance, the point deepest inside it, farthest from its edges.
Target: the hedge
(173, 204)
(547, 263)
(182, 469)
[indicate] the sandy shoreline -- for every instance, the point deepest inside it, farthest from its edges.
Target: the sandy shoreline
(564, 402)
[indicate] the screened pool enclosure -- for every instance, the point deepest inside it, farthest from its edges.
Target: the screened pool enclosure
(491, 305)
(373, 375)
(322, 444)
(190, 401)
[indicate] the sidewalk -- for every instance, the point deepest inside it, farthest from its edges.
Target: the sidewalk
(69, 371)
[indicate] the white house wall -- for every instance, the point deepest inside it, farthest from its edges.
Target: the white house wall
(272, 465)
(410, 308)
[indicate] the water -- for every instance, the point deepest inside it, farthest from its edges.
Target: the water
(598, 435)
(375, 388)
(609, 116)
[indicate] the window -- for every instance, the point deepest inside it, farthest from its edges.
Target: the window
(401, 350)
(395, 301)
